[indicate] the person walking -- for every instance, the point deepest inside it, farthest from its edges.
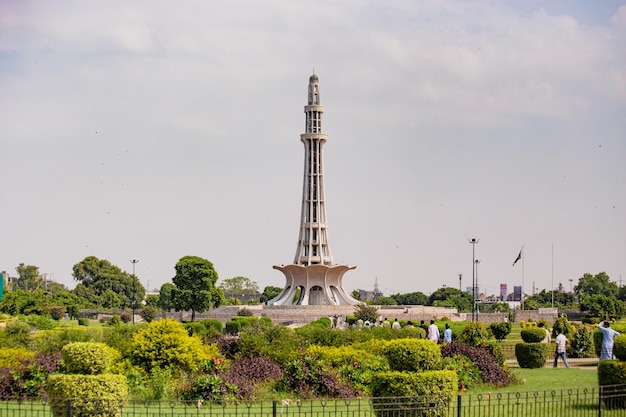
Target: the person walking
(433, 332)
(561, 348)
(447, 334)
(608, 334)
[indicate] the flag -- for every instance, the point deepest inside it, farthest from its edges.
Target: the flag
(518, 256)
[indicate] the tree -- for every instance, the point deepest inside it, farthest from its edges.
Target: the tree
(596, 284)
(28, 278)
(238, 286)
(270, 292)
(451, 297)
(195, 286)
(100, 276)
(166, 302)
(413, 298)
(366, 312)
(385, 301)
(356, 294)
(599, 305)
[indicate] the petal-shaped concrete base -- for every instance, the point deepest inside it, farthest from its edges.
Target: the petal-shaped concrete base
(318, 284)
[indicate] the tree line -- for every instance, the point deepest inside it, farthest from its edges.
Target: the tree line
(194, 287)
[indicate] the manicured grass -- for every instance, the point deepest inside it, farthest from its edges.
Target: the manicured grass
(544, 379)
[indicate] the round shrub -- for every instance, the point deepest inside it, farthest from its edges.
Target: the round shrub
(500, 330)
(412, 355)
(213, 324)
(532, 355)
(83, 321)
(232, 327)
(166, 344)
(87, 358)
(619, 347)
(533, 334)
(475, 334)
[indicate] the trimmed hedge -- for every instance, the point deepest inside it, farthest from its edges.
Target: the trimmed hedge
(619, 347)
(611, 373)
(87, 395)
(412, 355)
(87, 358)
(426, 393)
(533, 334)
(237, 323)
(532, 355)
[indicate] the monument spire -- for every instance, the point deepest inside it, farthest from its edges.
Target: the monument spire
(313, 279)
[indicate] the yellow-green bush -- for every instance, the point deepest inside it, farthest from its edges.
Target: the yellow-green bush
(429, 393)
(166, 344)
(355, 366)
(87, 358)
(11, 357)
(412, 355)
(87, 395)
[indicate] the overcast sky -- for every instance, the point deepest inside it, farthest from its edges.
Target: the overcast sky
(152, 130)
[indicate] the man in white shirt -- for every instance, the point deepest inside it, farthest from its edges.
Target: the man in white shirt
(561, 345)
(433, 332)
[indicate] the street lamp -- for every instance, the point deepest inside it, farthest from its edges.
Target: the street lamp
(133, 302)
(476, 262)
(460, 277)
(473, 241)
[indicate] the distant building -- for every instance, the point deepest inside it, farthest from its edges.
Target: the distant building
(503, 292)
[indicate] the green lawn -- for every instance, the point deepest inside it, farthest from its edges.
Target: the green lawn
(544, 379)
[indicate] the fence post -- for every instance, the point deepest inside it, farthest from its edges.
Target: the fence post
(600, 401)
(458, 405)
(69, 407)
(274, 408)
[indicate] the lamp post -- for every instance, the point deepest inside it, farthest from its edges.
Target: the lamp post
(476, 262)
(460, 277)
(133, 301)
(473, 241)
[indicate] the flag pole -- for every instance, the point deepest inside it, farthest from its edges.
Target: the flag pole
(523, 260)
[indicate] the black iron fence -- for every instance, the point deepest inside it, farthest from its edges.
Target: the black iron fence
(582, 402)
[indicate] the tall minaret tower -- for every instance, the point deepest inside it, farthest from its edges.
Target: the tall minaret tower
(313, 279)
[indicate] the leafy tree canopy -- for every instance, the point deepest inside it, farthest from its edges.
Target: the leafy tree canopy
(596, 284)
(237, 286)
(451, 297)
(99, 277)
(544, 299)
(166, 302)
(28, 278)
(270, 292)
(195, 286)
(412, 298)
(599, 305)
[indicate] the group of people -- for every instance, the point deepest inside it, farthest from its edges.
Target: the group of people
(432, 332)
(606, 351)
